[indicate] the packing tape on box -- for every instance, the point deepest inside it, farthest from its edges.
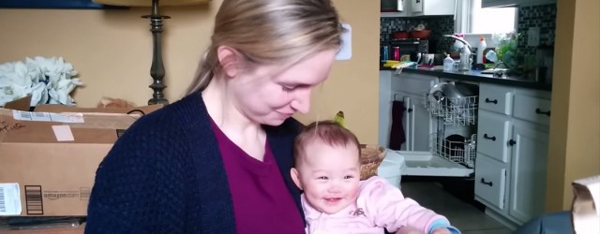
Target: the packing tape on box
(77, 120)
(48, 117)
(63, 133)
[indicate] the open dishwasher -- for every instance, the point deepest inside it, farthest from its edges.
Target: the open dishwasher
(452, 141)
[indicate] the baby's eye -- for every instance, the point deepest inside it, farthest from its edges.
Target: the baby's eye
(322, 177)
(348, 177)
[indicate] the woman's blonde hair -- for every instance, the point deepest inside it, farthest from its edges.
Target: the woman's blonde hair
(269, 31)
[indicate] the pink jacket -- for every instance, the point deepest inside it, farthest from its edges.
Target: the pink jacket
(379, 205)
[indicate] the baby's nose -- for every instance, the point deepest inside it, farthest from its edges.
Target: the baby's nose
(334, 189)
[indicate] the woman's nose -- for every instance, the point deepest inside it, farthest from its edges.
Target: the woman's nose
(301, 103)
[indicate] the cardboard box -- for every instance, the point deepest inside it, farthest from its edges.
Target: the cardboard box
(19, 104)
(52, 156)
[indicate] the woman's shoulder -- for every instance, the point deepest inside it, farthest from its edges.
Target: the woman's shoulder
(166, 132)
(189, 112)
(162, 137)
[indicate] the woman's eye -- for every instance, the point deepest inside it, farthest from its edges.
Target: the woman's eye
(348, 177)
(287, 88)
(322, 178)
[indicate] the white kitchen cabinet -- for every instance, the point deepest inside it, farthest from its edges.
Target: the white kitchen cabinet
(385, 107)
(402, 9)
(412, 83)
(423, 8)
(493, 133)
(421, 124)
(512, 3)
(416, 6)
(528, 171)
(516, 141)
(432, 7)
(490, 181)
(532, 109)
(417, 122)
(496, 98)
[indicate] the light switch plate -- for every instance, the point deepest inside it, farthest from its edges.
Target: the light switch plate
(345, 52)
(533, 36)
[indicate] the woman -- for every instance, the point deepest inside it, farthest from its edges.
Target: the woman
(218, 160)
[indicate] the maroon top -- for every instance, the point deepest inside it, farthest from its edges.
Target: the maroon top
(261, 201)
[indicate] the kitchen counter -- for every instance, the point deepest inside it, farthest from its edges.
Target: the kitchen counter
(476, 76)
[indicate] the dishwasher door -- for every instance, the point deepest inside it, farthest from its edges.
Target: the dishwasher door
(428, 164)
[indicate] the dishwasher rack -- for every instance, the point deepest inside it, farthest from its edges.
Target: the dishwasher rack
(455, 112)
(462, 152)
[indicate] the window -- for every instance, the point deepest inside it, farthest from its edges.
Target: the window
(492, 20)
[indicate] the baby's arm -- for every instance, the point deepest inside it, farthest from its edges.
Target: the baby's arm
(412, 230)
(390, 209)
(442, 227)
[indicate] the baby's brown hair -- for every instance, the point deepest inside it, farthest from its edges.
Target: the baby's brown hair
(327, 132)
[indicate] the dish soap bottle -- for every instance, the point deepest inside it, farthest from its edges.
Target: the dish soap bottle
(480, 48)
(448, 63)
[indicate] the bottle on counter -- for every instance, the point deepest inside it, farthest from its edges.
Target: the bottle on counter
(480, 48)
(448, 63)
(396, 53)
(465, 59)
(385, 53)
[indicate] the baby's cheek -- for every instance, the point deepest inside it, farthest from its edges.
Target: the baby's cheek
(355, 190)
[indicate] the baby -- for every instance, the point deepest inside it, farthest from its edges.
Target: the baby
(327, 169)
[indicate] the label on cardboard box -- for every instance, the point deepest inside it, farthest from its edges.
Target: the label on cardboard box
(10, 199)
(48, 117)
(63, 133)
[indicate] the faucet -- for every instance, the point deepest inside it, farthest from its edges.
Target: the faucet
(465, 54)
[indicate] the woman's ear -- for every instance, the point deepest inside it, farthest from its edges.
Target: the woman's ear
(295, 178)
(230, 59)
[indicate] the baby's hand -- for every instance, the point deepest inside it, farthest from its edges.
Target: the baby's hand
(441, 231)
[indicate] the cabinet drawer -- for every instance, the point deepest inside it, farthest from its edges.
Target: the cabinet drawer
(412, 83)
(532, 109)
(496, 98)
(490, 181)
(493, 132)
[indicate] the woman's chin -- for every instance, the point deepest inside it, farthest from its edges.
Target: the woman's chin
(274, 120)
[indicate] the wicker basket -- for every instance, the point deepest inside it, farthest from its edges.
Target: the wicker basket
(371, 157)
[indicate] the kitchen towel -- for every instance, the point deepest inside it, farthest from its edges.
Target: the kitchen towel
(397, 135)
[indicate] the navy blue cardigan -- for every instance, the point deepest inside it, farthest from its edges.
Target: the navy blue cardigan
(165, 175)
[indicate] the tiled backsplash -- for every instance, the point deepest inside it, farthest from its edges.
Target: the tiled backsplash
(542, 16)
(439, 25)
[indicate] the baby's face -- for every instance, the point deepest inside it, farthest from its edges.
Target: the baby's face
(329, 176)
